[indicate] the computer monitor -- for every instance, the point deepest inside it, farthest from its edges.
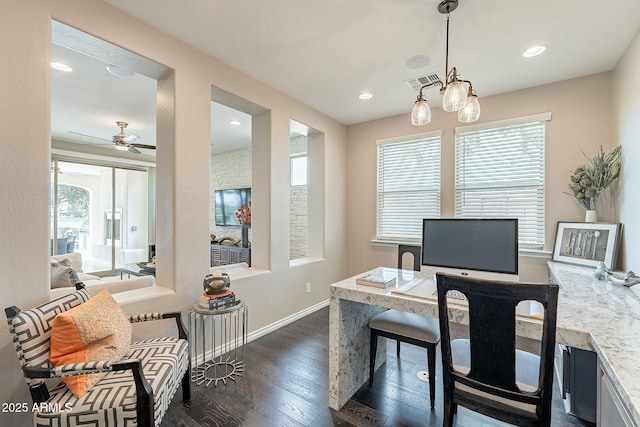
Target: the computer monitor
(482, 248)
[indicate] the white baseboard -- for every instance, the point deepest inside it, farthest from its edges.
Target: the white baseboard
(283, 322)
(260, 332)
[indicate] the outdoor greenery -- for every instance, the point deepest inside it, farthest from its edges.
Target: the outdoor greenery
(588, 181)
(75, 199)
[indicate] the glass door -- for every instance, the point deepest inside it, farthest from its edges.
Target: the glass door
(131, 222)
(100, 211)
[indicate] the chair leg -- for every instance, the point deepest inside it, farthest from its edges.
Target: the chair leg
(398, 349)
(186, 387)
(431, 363)
(372, 355)
(449, 412)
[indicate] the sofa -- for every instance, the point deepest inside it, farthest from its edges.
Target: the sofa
(66, 270)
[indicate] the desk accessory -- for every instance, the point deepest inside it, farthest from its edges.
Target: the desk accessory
(602, 272)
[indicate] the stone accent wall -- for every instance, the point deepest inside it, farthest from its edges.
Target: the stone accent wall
(298, 224)
(231, 169)
(298, 208)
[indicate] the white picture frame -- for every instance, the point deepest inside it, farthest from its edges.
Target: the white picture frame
(587, 243)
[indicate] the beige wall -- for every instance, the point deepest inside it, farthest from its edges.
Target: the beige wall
(626, 132)
(581, 111)
(183, 174)
(580, 122)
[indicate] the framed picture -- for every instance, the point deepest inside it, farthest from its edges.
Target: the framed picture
(587, 243)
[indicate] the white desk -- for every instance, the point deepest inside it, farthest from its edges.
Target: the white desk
(591, 315)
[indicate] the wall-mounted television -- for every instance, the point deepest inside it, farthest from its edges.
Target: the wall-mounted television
(228, 202)
(462, 244)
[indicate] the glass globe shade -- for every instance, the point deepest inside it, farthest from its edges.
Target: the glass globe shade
(421, 113)
(471, 111)
(455, 96)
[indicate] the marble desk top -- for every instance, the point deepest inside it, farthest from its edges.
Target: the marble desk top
(592, 315)
(607, 316)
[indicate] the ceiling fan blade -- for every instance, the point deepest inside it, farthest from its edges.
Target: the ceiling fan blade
(133, 150)
(131, 138)
(148, 147)
(90, 136)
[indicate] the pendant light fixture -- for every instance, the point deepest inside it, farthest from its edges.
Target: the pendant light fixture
(456, 96)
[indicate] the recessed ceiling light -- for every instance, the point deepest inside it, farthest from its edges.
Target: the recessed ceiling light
(534, 51)
(365, 95)
(120, 72)
(418, 61)
(61, 67)
(234, 123)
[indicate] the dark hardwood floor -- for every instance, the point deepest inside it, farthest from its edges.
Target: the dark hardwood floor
(286, 384)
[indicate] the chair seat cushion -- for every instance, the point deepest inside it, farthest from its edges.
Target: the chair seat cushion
(410, 325)
(112, 401)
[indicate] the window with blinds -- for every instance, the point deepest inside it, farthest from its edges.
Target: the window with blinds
(408, 185)
(499, 173)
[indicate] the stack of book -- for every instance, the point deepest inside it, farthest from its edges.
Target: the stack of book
(377, 280)
(218, 301)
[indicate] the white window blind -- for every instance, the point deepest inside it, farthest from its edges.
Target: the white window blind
(499, 173)
(408, 185)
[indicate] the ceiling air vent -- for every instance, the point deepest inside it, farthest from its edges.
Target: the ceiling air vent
(417, 82)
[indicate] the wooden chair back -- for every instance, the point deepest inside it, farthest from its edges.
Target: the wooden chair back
(492, 341)
(416, 251)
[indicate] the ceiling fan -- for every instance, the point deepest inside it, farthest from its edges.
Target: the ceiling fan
(121, 141)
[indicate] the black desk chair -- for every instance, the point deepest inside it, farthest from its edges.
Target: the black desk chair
(486, 373)
(416, 251)
(406, 327)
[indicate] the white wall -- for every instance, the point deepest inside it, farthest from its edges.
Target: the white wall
(626, 132)
(580, 122)
(183, 174)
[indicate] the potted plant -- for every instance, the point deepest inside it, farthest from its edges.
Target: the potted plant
(588, 181)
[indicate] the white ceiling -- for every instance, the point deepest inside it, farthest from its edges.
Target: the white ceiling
(325, 53)
(87, 102)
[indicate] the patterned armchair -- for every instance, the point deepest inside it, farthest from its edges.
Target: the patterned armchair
(136, 390)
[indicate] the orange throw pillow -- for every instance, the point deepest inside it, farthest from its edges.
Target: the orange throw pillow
(94, 331)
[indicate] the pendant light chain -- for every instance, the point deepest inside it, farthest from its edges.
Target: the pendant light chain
(456, 96)
(446, 57)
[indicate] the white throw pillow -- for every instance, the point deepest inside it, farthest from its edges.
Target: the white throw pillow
(63, 276)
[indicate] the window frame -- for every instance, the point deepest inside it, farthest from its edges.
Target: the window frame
(531, 228)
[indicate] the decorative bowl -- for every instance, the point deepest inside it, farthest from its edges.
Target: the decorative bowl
(216, 284)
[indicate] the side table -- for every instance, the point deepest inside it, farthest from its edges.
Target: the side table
(217, 341)
(136, 271)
